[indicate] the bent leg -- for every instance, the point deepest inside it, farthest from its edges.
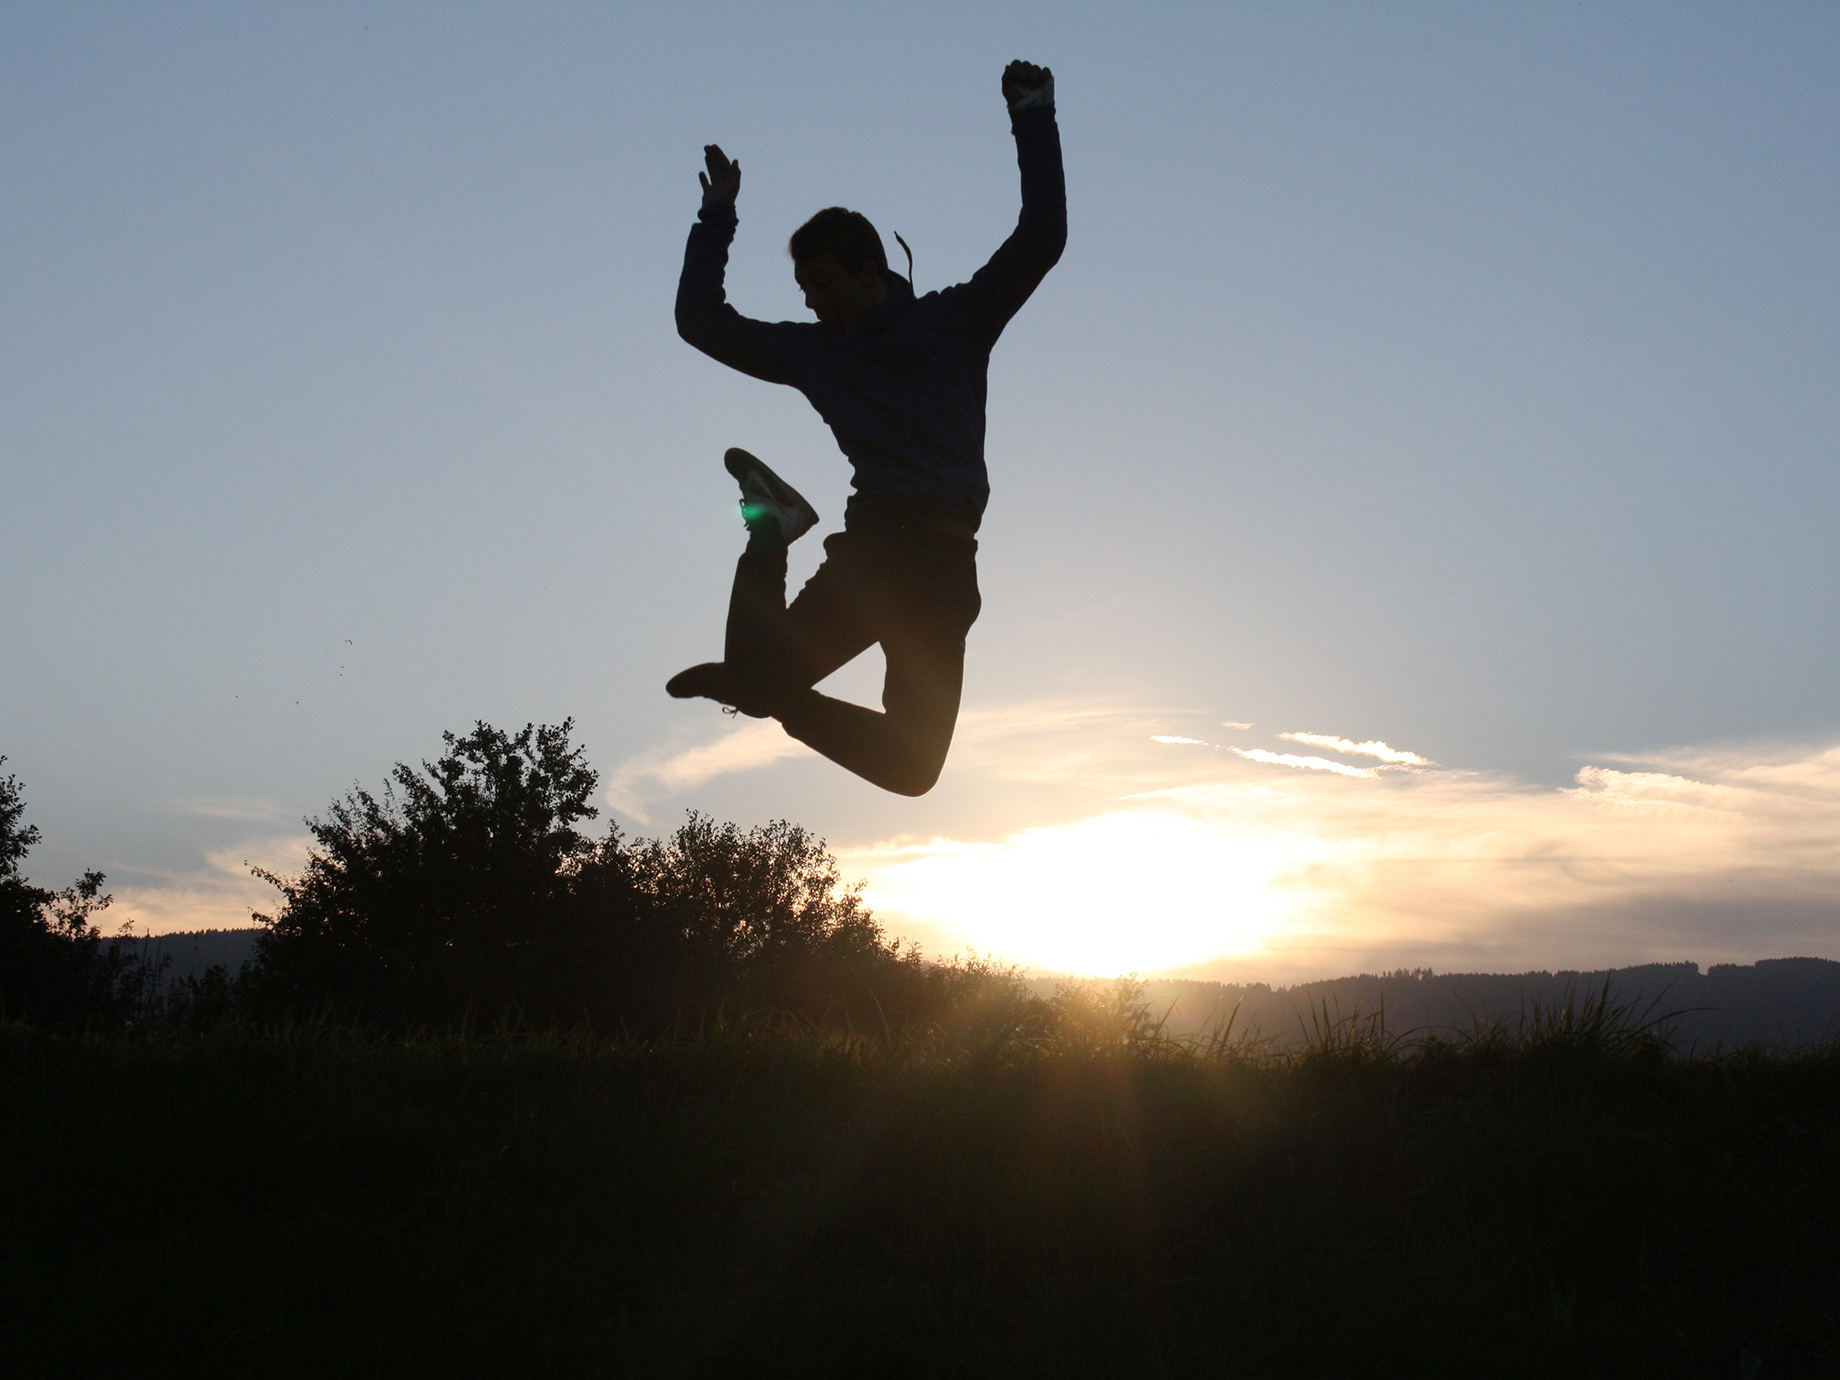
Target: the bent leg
(903, 749)
(916, 593)
(773, 653)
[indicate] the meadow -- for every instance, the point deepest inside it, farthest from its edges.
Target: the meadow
(1076, 1195)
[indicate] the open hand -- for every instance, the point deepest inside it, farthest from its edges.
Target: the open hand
(1021, 79)
(722, 182)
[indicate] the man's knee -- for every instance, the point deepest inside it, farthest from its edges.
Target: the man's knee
(916, 779)
(767, 676)
(758, 696)
(922, 727)
(915, 768)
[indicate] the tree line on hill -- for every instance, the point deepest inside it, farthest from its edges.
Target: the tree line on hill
(466, 890)
(1775, 1001)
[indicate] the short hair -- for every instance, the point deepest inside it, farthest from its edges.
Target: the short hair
(847, 236)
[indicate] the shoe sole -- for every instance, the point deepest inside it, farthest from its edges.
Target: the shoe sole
(741, 464)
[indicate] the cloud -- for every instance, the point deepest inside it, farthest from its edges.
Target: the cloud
(1172, 738)
(232, 807)
(1061, 742)
(1070, 746)
(1234, 723)
(1224, 868)
(749, 745)
(1035, 742)
(220, 895)
(1285, 759)
(1370, 748)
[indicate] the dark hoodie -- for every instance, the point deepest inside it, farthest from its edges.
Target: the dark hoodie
(905, 394)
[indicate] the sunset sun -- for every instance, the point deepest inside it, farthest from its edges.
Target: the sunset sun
(1130, 891)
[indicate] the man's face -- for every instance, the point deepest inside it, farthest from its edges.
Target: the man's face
(840, 297)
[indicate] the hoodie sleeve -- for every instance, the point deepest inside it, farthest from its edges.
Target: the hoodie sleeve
(997, 291)
(704, 317)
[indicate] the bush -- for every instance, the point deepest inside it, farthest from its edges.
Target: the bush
(466, 891)
(452, 891)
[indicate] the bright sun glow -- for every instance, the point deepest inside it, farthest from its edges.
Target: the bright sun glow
(1125, 891)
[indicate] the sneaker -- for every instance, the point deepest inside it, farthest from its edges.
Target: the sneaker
(766, 497)
(709, 681)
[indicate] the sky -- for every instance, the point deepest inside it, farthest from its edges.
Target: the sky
(1413, 492)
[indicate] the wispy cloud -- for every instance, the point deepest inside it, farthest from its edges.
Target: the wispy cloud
(232, 807)
(1061, 742)
(1048, 742)
(1287, 759)
(749, 745)
(1173, 738)
(1370, 748)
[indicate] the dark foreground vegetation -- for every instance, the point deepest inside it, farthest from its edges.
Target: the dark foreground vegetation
(1042, 1189)
(494, 1098)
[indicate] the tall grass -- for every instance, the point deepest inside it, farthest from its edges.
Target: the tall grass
(1029, 1189)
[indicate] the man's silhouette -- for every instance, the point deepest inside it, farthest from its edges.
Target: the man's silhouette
(901, 382)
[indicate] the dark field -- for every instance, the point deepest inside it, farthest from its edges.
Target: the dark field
(1566, 1200)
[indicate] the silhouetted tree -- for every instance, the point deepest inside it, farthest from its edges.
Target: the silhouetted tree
(746, 900)
(452, 891)
(466, 889)
(758, 915)
(54, 965)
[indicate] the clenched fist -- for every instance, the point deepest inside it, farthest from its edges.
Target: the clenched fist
(1025, 84)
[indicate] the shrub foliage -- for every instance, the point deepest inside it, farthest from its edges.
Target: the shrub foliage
(467, 889)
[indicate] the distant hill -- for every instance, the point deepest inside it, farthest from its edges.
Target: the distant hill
(193, 951)
(1777, 1001)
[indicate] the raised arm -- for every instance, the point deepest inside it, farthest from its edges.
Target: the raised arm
(997, 290)
(704, 317)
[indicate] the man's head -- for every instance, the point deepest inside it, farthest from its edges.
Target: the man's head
(841, 267)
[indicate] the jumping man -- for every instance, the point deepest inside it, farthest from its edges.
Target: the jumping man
(901, 382)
